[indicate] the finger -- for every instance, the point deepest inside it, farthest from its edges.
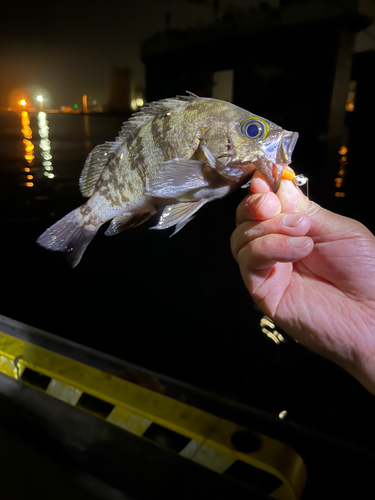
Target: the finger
(259, 183)
(258, 206)
(292, 198)
(323, 222)
(288, 224)
(263, 253)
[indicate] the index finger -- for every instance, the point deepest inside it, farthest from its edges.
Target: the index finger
(259, 206)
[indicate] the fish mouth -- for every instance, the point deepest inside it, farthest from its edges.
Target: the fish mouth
(289, 142)
(283, 157)
(278, 157)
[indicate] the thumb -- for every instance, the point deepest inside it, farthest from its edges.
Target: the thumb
(323, 221)
(292, 199)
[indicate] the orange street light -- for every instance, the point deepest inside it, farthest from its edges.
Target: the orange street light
(84, 103)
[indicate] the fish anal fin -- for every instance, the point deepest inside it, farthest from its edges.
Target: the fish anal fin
(178, 214)
(126, 221)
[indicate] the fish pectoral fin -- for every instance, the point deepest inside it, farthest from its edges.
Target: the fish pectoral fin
(176, 177)
(178, 214)
(126, 221)
(210, 158)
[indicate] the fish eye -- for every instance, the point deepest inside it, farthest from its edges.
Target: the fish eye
(254, 128)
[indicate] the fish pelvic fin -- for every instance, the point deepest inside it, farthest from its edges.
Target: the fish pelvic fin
(69, 235)
(178, 215)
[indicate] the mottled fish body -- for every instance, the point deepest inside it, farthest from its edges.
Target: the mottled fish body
(173, 156)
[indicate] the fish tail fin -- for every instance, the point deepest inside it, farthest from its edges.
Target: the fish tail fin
(70, 235)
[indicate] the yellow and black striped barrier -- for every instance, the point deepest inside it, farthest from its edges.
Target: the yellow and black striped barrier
(218, 444)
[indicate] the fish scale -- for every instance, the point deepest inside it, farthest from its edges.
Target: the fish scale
(173, 156)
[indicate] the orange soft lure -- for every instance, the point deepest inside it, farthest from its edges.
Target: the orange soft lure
(299, 180)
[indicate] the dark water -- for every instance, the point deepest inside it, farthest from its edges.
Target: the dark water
(175, 305)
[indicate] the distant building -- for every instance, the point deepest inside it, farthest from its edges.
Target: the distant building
(290, 63)
(119, 90)
(358, 169)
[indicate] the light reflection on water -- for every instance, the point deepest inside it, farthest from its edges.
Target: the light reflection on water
(45, 145)
(38, 149)
(39, 143)
(29, 147)
(86, 128)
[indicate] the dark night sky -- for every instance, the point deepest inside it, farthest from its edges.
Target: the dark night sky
(64, 50)
(67, 49)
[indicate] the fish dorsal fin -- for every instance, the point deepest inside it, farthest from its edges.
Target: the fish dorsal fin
(152, 109)
(100, 155)
(94, 166)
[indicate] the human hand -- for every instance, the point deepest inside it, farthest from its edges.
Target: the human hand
(312, 271)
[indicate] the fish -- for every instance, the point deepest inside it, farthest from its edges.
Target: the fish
(173, 156)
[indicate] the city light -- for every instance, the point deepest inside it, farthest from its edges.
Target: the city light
(40, 99)
(136, 103)
(338, 181)
(22, 102)
(343, 158)
(349, 107)
(268, 327)
(84, 103)
(351, 97)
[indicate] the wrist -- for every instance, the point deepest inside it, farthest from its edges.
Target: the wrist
(362, 362)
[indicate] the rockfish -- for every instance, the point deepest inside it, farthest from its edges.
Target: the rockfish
(173, 156)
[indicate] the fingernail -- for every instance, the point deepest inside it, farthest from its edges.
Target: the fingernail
(255, 204)
(291, 220)
(298, 241)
